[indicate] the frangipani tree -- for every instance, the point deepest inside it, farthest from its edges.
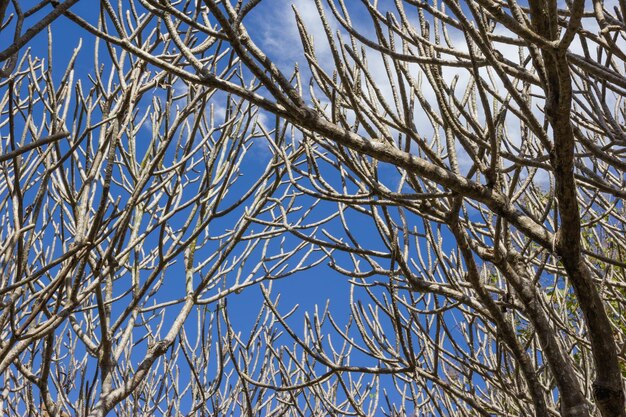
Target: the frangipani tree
(458, 163)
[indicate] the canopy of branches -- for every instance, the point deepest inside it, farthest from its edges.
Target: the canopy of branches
(253, 208)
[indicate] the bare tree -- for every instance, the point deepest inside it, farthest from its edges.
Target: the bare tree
(459, 163)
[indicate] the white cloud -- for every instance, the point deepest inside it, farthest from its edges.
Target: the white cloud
(280, 38)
